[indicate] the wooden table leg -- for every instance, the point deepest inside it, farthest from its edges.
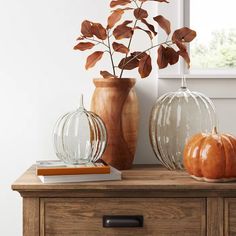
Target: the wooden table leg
(30, 216)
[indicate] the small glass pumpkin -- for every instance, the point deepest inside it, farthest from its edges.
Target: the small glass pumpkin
(79, 137)
(175, 117)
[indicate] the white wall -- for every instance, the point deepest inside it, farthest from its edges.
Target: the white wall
(42, 78)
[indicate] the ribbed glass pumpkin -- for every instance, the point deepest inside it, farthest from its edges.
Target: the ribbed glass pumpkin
(79, 137)
(175, 117)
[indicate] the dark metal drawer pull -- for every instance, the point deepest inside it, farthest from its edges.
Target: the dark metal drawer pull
(122, 221)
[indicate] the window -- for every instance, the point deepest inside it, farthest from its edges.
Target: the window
(214, 49)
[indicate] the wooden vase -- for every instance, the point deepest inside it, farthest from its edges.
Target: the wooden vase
(115, 101)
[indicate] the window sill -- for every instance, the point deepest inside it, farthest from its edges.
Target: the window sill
(198, 76)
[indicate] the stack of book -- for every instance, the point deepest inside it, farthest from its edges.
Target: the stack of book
(58, 172)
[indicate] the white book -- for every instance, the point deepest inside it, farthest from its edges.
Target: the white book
(113, 175)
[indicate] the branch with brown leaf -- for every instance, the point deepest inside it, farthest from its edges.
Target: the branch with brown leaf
(168, 52)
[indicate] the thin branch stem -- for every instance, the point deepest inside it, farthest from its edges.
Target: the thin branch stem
(130, 40)
(135, 3)
(154, 46)
(97, 41)
(111, 55)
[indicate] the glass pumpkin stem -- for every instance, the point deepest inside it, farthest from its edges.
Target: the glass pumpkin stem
(183, 82)
(215, 131)
(81, 103)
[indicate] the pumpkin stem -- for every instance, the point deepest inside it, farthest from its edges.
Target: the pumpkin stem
(215, 131)
(183, 82)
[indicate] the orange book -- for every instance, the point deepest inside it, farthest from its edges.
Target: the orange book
(49, 168)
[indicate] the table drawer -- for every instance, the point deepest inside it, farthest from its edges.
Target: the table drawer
(77, 216)
(230, 217)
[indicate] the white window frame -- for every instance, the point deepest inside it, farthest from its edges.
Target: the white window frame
(221, 73)
(215, 85)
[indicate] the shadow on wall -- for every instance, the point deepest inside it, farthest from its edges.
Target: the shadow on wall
(144, 152)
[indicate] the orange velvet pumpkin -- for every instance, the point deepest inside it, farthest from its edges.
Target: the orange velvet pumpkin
(211, 157)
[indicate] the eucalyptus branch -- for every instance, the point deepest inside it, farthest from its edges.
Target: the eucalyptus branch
(148, 49)
(111, 55)
(130, 40)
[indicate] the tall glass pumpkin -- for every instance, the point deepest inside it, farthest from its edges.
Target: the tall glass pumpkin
(79, 137)
(175, 117)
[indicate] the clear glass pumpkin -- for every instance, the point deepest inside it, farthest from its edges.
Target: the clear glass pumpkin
(175, 117)
(79, 137)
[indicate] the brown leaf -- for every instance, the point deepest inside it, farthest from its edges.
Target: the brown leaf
(115, 3)
(118, 47)
(83, 46)
(114, 18)
(146, 31)
(80, 38)
(171, 55)
(150, 26)
(107, 75)
(128, 63)
(163, 23)
(162, 60)
(123, 31)
(93, 59)
(99, 31)
(184, 35)
(140, 13)
(138, 55)
(180, 45)
(127, 22)
(86, 29)
(185, 56)
(145, 66)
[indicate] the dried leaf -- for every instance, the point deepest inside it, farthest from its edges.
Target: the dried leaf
(119, 3)
(162, 60)
(145, 66)
(99, 31)
(80, 37)
(171, 55)
(93, 59)
(138, 55)
(114, 18)
(185, 56)
(118, 47)
(107, 75)
(146, 31)
(128, 63)
(140, 13)
(83, 46)
(167, 56)
(123, 31)
(86, 29)
(163, 23)
(127, 22)
(150, 26)
(180, 45)
(184, 35)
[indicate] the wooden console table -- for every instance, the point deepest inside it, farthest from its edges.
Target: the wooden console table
(150, 200)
